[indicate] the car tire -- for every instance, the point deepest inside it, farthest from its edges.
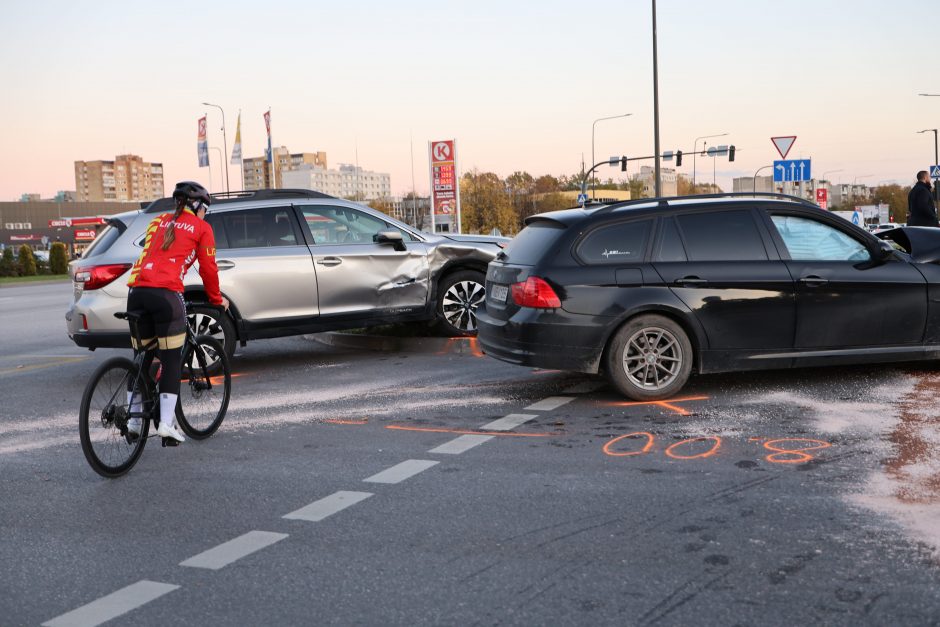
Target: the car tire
(216, 323)
(458, 296)
(649, 358)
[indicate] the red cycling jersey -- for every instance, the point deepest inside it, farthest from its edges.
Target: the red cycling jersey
(165, 268)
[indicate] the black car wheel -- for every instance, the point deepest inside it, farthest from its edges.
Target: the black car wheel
(213, 322)
(649, 358)
(458, 297)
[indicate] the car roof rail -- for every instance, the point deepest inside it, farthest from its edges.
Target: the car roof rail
(168, 204)
(664, 201)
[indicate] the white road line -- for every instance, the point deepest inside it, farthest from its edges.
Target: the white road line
(547, 404)
(461, 444)
(583, 387)
(228, 552)
(113, 605)
(508, 423)
(325, 507)
(402, 471)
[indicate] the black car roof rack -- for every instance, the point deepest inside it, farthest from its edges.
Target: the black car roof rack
(665, 200)
(167, 204)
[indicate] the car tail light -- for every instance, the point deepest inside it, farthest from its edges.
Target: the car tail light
(98, 276)
(535, 292)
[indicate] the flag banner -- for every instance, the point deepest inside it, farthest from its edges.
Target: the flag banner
(237, 148)
(267, 125)
(202, 145)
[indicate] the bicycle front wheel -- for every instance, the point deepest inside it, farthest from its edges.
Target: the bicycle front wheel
(205, 388)
(110, 448)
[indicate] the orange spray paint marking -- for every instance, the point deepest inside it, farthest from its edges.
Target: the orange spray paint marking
(217, 380)
(708, 453)
(668, 404)
(801, 456)
(472, 342)
(608, 448)
(470, 432)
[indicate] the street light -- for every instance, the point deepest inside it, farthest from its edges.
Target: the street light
(224, 141)
(613, 117)
(754, 188)
(218, 150)
(823, 177)
(695, 152)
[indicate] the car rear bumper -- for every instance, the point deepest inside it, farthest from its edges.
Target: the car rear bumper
(90, 321)
(544, 338)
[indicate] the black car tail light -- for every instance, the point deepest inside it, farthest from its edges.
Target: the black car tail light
(98, 276)
(536, 293)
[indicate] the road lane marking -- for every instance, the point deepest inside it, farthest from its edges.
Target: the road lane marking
(460, 444)
(113, 605)
(507, 423)
(325, 507)
(402, 471)
(584, 387)
(502, 434)
(228, 552)
(550, 403)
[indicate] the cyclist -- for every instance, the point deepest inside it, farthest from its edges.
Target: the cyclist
(173, 242)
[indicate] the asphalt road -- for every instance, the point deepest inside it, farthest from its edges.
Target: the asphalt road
(425, 488)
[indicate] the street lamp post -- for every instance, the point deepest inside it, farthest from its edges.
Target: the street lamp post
(613, 117)
(219, 151)
(224, 141)
(823, 177)
(695, 152)
(764, 167)
(936, 158)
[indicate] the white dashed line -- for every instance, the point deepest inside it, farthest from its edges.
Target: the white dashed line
(461, 444)
(584, 387)
(113, 605)
(228, 552)
(402, 471)
(550, 403)
(325, 507)
(508, 423)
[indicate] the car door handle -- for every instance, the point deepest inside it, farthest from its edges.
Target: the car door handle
(225, 264)
(691, 280)
(813, 281)
(330, 261)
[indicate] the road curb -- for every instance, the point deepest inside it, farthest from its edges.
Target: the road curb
(387, 343)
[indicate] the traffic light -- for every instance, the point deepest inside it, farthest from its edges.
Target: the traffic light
(731, 152)
(678, 158)
(623, 164)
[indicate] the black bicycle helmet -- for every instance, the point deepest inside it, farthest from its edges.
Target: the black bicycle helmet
(190, 190)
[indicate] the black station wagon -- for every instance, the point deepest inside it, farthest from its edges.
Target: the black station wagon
(650, 290)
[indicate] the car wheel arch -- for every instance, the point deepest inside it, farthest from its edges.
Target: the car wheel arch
(696, 336)
(198, 296)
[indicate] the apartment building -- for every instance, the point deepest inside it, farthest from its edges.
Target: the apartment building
(647, 176)
(256, 170)
(126, 179)
(349, 181)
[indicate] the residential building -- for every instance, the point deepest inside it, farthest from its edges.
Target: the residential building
(126, 179)
(349, 181)
(256, 170)
(647, 175)
(760, 184)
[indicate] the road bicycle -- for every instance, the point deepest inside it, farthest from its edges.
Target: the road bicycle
(109, 446)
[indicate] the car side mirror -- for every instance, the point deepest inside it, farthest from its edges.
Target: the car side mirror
(390, 237)
(885, 250)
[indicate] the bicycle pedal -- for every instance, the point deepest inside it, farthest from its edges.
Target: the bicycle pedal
(170, 442)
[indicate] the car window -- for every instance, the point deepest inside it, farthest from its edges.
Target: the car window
(616, 243)
(341, 225)
(669, 247)
(253, 228)
(810, 240)
(531, 243)
(103, 242)
(722, 236)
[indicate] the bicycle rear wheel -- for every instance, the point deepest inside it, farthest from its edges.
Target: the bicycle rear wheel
(205, 389)
(111, 450)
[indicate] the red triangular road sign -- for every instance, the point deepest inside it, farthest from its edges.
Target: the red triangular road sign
(783, 144)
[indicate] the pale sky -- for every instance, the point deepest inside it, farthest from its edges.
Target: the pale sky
(517, 84)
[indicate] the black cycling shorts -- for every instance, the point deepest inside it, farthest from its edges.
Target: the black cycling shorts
(162, 316)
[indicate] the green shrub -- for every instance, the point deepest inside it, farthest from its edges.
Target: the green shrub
(58, 259)
(7, 263)
(26, 261)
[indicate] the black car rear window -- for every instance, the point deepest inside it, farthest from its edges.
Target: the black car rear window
(722, 236)
(669, 247)
(530, 244)
(616, 243)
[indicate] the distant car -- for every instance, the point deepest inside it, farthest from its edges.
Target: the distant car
(41, 255)
(649, 291)
(292, 262)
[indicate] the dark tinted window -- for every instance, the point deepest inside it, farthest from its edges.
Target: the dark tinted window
(722, 236)
(669, 247)
(531, 243)
(103, 242)
(253, 228)
(616, 243)
(215, 221)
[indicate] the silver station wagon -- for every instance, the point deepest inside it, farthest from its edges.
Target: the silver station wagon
(293, 262)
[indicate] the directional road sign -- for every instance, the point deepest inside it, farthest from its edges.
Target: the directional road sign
(935, 171)
(792, 170)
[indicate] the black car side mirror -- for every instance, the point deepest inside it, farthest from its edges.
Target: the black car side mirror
(885, 250)
(390, 237)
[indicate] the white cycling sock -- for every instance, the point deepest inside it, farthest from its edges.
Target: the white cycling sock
(167, 408)
(133, 401)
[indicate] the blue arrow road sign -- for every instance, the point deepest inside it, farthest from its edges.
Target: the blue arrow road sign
(792, 170)
(935, 171)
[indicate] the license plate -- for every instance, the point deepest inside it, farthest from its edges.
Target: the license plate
(499, 293)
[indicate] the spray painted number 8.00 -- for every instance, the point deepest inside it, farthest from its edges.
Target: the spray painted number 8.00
(785, 450)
